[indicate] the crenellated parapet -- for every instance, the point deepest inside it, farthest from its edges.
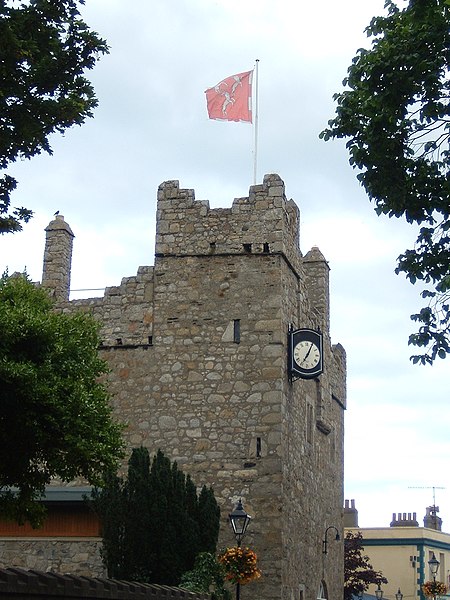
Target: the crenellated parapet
(125, 311)
(265, 222)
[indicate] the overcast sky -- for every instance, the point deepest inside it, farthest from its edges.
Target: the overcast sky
(151, 126)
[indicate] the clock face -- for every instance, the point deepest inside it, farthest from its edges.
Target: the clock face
(307, 355)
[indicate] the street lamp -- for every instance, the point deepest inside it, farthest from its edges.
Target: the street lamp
(433, 563)
(379, 592)
(325, 541)
(399, 595)
(239, 520)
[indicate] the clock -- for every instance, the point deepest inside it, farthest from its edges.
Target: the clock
(305, 357)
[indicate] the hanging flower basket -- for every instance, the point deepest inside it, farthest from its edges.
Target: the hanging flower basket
(434, 588)
(240, 565)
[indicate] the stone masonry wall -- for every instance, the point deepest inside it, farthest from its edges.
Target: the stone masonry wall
(263, 222)
(125, 311)
(312, 448)
(61, 555)
(197, 347)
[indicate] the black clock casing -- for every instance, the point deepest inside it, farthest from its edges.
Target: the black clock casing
(305, 353)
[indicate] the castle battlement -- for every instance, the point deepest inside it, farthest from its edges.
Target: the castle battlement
(264, 225)
(264, 222)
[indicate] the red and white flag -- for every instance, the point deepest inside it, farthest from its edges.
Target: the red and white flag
(231, 98)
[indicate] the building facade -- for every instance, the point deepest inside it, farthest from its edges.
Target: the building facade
(402, 551)
(198, 350)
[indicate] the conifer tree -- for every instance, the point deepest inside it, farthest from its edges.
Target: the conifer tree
(209, 515)
(192, 529)
(110, 503)
(137, 545)
(153, 523)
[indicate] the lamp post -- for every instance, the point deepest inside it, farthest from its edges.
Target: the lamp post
(239, 521)
(379, 592)
(325, 541)
(399, 595)
(433, 563)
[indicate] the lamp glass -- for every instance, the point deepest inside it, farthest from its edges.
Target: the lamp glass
(433, 563)
(239, 520)
(239, 524)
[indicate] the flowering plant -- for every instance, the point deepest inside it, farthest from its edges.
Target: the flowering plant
(240, 564)
(434, 588)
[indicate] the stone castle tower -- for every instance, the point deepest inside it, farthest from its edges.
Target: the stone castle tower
(197, 346)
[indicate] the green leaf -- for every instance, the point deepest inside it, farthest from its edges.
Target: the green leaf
(45, 50)
(395, 116)
(56, 413)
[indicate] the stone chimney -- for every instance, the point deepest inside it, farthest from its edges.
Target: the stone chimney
(404, 520)
(431, 520)
(350, 514)
(58, 258)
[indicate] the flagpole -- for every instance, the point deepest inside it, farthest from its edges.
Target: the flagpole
(255, 147)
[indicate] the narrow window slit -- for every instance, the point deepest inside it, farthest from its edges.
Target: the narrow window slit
(237, 331)
(258, 447)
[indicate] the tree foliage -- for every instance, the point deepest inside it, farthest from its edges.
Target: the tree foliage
(45, 47)
(207, 576)
(395, 113)
(55, 418)
(358, 572)
(153, 522)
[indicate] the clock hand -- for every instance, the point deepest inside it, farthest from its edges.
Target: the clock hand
(308, 353)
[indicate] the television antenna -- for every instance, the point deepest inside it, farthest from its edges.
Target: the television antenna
(428, 487)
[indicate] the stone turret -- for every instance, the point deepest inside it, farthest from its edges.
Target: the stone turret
(317, 273)
(58, 258)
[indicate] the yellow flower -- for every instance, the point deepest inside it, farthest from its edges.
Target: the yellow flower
(434, 588)
(240, 565)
